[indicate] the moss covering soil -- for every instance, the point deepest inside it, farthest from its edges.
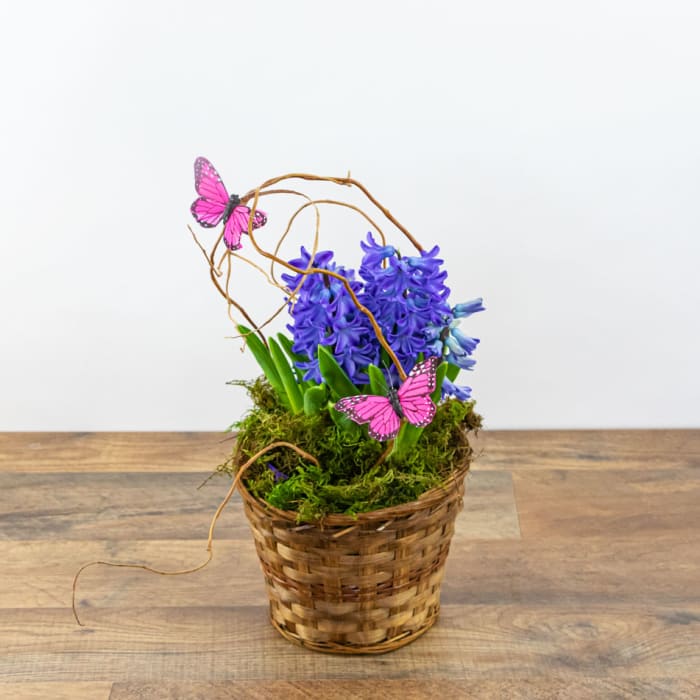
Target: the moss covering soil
(352, 478)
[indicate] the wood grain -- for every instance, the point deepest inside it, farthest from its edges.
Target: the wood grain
(122, 506)
(237, 643)
(115, 506)
(37, 572)
(574, 573)
(577, 503)
(520, 689)
(517, 450)
(512, 450)
(113, 452)
(40, 574)
(56, 691)
(585, 573)
(595, 573)
(489, 507)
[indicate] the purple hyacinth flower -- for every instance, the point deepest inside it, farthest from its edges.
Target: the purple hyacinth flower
(324, 314)
(468, 308)
(279, 476)
(461, 393)
(375, 253)
(406, 297)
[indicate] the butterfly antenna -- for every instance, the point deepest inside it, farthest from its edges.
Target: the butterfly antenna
(387, 372)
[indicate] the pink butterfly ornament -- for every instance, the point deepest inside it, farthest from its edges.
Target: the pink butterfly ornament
(384, 413)
(214, 205)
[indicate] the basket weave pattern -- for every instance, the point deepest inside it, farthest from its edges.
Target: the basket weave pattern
(368, 584)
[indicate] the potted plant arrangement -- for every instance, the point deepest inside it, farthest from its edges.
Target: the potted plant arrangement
(351, 463)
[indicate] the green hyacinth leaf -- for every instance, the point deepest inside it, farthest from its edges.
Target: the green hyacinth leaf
(315, 399)
(334, 375)
(264, 359)
(406, 439)
(286, 374)
(439, 378)
(452, 372)
(286, 345)
(377, 381)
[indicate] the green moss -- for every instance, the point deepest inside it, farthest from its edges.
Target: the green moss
(349, 480)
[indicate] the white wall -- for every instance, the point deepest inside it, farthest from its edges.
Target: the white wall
(551, 148)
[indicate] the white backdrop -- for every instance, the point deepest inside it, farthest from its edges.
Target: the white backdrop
(551, 149)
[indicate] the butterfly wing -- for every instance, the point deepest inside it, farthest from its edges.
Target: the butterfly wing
(414, 393)
(207, 214)
(237, 224)
(260, 218)
(207, 182)
(383, 421)
(210, 207)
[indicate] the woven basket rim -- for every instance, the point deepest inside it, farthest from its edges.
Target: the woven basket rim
(425, 500)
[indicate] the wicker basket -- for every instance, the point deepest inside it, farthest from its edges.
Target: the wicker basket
(366, 585)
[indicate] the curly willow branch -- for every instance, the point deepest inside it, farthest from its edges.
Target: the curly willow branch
(210, 539)
(314, 250)
(267, 277)
(215, 272)
(314, 202)
(262, 191)
(338, 181)
(328, 273)
(231, 302)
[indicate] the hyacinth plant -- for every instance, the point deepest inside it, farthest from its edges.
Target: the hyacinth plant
(358, 406)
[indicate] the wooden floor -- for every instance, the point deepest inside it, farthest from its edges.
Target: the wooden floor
(574, 573)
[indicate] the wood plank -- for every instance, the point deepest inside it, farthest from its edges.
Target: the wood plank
(40, 574)
(116, 506)
(570, 503)
(489, 511)
(56, 691)
(113, 451)
(37, 572)
(124, 506)
(237, 643)
(290, 690)
(467, 689)
(520, 689)
(583, 573)
(517, 450)
(202, 451)
(599, 599)
(590, 572)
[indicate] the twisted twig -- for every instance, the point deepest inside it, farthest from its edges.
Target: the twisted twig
(210, 552)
